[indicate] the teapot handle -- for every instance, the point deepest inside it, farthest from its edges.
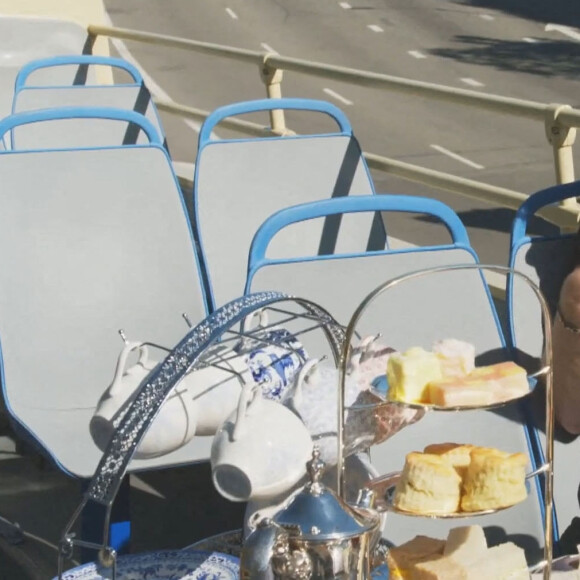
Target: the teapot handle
(249, 396)
(306, 369)
(122, 363)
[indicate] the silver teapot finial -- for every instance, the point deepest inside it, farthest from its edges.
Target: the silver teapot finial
(315, 468)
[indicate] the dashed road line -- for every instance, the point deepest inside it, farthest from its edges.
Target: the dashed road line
(530, 39)
(488, 17)
(457, 157)
(268, 48)
(566, 30)
(336, 96)
(416, 54)
(345, 5)
(375, 28)
(231, 14)
(471, 82)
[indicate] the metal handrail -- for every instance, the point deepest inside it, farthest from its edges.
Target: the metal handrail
(560, 120)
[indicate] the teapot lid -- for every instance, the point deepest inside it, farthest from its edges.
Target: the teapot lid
(317, 513)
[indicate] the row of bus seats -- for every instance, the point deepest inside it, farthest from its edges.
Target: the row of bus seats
(95, 236)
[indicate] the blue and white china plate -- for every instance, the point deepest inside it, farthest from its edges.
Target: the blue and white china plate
(164, 565)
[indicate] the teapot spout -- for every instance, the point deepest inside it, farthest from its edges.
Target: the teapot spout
(258, 551)
(366, 499)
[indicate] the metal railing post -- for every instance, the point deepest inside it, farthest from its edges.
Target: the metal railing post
(272, 78)
(561, 137)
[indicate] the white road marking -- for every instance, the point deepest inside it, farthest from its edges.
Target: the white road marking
(416, 54)
(457, 157)
(336, 96)
(345, 5)
(231, 14)
(471, 82)
(530, 39)
(566, 30)
(153, 87)
(268, 48)
(375, 28)
(487, 17)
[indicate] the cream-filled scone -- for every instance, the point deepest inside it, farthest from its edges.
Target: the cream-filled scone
(401, 559)
(457, 454)
(428, 485)
(457, 357)
(409, 372)
(494, 479)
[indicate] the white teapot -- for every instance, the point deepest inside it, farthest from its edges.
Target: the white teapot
(175, 423)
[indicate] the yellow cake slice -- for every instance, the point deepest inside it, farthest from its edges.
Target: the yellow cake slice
(401, 559)
(494, 479)
(409, 372)
(428, 485)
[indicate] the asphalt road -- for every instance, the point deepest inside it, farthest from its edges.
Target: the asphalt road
(515, 48)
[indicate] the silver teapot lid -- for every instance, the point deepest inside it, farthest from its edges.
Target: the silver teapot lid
(316, 513)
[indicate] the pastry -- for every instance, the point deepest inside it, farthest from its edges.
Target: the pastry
(457, 357)
(504, 562)
(494, 479)
(440, 569)
(408, 374)
(428, 485)
(458, 455)
(465, 544)
(509, 379)
(462, 391)
(401, 559)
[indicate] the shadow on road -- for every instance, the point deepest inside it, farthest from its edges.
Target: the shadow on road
(566, 12)
(500, 220)
(548, 59)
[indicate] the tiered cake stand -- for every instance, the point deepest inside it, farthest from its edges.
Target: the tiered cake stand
(384, 486)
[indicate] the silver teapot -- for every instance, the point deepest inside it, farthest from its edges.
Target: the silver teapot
(315, 536)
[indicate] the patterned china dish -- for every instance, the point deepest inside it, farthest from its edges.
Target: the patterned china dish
(164, 565)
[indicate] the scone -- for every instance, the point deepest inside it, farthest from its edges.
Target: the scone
(457, 454)
(403, 558)
(428, 485)
(409, 372)
(494, 479)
